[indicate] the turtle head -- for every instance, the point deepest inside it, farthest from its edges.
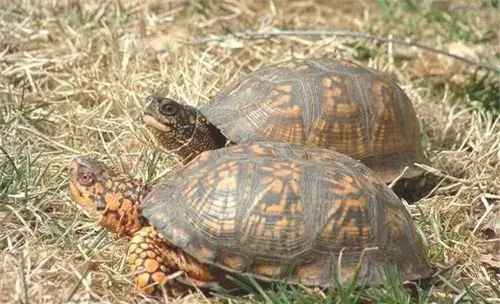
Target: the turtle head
(175, 121)
(180, 128)
(112, 199)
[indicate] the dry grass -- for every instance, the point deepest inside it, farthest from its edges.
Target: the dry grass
(74, 75)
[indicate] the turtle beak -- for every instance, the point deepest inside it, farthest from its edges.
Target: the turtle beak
(152, 122)
(73, 167)
(152, 102)
(151, 113)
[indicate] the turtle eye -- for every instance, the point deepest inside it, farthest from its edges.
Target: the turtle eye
(168, 109)
(86, 178)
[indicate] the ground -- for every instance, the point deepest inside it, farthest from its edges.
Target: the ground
(74, 76)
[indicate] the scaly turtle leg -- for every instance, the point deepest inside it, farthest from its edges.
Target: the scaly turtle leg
(153, 260)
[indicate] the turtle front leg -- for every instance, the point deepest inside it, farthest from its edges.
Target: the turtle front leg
(153, 260)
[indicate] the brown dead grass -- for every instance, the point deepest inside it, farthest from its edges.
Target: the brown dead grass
(91, 65)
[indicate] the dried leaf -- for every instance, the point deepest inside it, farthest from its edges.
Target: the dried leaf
(462, 50)
(491, 229)
(490, 260)
(491, 232)
(232, 44)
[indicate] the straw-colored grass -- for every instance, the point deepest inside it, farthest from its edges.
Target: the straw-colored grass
(74, 76)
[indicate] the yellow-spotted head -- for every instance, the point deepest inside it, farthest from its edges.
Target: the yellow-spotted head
(112, 199)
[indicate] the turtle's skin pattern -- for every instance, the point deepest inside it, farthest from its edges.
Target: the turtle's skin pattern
(270, 210)
(188, 134)
(324, 103)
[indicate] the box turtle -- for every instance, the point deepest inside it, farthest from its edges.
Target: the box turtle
(318, 102)
(274, 211)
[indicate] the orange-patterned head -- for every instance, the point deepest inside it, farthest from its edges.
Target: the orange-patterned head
(111, 199)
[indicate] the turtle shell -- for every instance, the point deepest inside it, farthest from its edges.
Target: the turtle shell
(281, 211)
(324, 103)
